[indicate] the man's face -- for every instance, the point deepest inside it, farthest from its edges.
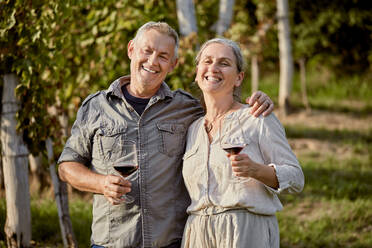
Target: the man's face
(152, 58)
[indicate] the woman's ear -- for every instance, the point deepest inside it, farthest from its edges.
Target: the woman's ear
(196, 75)
(239, 79)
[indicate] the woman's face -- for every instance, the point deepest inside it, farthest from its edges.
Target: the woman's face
(217, 72)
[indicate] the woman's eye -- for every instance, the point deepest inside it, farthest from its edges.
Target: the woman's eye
(225, 63)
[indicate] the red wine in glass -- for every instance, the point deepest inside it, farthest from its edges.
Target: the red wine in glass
(126, 165)
(125, 169)
(233, 148)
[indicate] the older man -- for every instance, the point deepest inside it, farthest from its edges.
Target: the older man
(139, 108)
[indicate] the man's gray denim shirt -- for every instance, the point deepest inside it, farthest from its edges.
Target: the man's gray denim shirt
(104, 121)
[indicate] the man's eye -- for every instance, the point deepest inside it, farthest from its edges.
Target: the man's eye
(163, 57)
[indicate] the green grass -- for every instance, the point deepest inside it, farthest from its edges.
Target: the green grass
(334, 209)
(45, 224)
(345, 135)
(326, 223)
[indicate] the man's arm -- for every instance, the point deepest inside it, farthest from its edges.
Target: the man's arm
(82, 178)
(261, 104)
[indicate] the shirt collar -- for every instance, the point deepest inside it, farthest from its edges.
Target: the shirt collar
(115, 88)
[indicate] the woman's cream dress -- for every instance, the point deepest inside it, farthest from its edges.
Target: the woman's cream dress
(226, 213)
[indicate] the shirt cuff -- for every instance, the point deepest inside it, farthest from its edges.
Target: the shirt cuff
(280, 181)
(69, 155)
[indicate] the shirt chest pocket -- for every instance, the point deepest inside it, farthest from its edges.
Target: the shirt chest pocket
(192, 156)
(192, 165)
(172, 137)
(111, 140)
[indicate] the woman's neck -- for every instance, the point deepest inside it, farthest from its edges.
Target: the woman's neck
(217, 107)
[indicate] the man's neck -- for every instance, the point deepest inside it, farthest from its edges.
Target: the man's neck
(141, 92)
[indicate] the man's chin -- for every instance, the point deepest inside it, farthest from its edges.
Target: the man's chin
(151, 81)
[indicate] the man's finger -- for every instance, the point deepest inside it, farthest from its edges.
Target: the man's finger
(269, 109)
(261, 109)
(254, 108)
(254, 97)
(119, 180)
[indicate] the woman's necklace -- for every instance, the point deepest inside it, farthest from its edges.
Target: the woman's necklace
(208, 125)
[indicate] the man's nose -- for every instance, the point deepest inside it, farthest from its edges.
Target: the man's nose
(152, 59)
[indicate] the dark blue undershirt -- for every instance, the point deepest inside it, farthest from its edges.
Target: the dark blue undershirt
(139, 104)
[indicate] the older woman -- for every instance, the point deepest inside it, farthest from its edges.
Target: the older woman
(234, 197)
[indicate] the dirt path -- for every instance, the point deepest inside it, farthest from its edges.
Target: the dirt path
(329, 121)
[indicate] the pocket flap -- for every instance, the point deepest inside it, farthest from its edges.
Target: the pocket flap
(109, 130)
(171, 127)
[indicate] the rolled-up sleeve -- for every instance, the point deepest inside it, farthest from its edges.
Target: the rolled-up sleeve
(78, 147)
(277, 153)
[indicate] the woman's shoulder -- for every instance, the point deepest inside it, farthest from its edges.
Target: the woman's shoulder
(245, 114)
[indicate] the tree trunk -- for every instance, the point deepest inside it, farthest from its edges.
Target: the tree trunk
(1, 176)
(38, 178)
(15, 166)
(61, 198)
(225, 15)
(286, 60)
(255, 72)
(186, 17)
(305, 100)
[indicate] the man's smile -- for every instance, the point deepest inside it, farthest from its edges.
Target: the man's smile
(149, 70)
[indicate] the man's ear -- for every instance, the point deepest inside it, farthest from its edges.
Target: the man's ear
(174, 63)
(239, 79)
(130, 48)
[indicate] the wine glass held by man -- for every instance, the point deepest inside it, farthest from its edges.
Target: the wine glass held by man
(126, 165)
(224, 213)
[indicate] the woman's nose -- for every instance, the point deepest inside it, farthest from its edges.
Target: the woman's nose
(213, 67)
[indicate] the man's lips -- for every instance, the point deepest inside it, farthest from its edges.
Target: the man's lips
(148, 70)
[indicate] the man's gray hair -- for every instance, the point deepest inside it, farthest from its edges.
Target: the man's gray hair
(233, 45)
(161, 27)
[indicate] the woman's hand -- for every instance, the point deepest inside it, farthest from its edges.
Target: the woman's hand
(261, 104)
(245, 167)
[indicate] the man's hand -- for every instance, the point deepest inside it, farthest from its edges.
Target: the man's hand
(82, 178)
(114, 187)
(261, 103)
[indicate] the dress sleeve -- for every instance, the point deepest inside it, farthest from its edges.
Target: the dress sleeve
(277, 153)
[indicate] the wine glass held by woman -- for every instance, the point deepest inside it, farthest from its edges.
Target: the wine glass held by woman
(239, 214)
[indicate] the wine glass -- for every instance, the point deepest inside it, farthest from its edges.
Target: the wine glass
(127, 164)
(232, 141)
